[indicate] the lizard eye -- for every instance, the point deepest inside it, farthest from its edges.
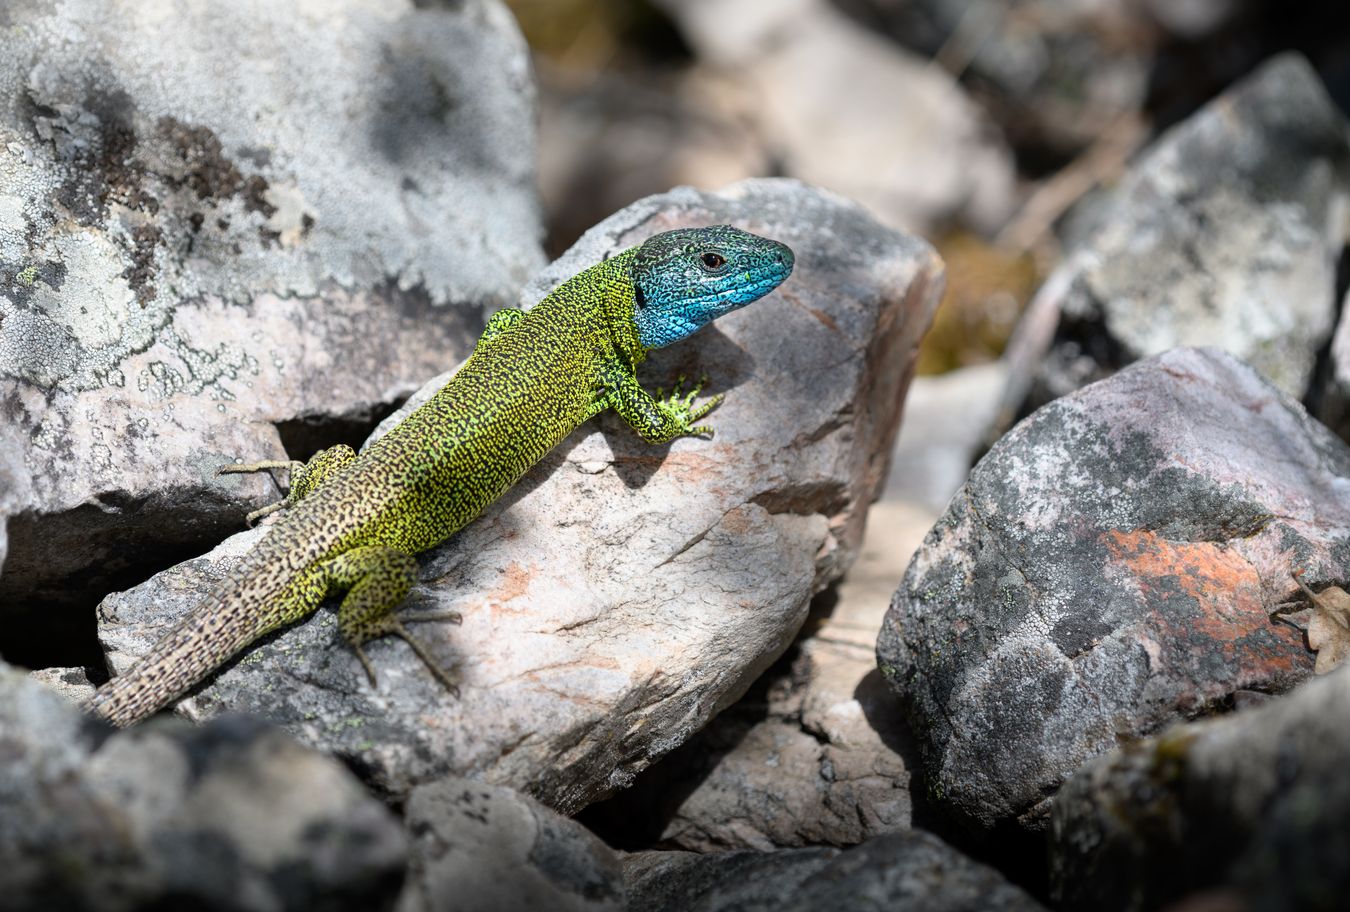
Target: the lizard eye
(713, 261)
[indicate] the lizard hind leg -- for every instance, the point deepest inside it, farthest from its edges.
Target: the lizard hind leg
(305, 476)
(376, 579)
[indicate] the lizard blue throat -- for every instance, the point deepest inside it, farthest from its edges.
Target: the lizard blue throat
(685, 279)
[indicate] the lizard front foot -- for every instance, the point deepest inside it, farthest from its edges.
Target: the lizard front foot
(682, 411)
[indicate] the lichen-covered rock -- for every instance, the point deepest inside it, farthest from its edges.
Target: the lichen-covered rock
(485, 848)
(1225, 233)
(621, 595)
(913, 870)
(229, 816)
(217, 219)
(1253, 806)
(1110, 567)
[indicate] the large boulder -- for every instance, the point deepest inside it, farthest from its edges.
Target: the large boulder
(621, 595)
(1110, 567)
(229, 816)
(1226, 232)
(225, 229)
(1251, 807)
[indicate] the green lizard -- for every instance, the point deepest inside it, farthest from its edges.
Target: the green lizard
(353, 522)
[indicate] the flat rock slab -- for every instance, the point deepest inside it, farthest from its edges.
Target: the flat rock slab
(913, 870)
(1251, 807)
(621, 595)
(1110, 567)
(232, 815)
(1226, 232)
(218, 218)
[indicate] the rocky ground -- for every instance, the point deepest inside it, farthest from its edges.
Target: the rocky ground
(1059, 628)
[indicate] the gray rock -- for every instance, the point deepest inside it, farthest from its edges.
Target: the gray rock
(814, 754)
(620, 596)
(933, 453)
(228, 816)
(913, 870)
(221, 219)
(845, 109)
(1252, 807)
(1109, 568)
(484, 848)
(71, 683)
(1225, 233)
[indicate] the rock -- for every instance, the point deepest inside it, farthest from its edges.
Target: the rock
(933, 453)
(1055, 75)
(483, 847)
(620, 596)
(231, 815)
(814, 754)
(1109, 568)
(200, 263)
(1251, 807)
(1225, 233)
(910, 870)
(847, 110)
(1332, 397)
(71, 683)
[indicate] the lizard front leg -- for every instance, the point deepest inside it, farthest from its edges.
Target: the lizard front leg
(376, 579)
(305, 476)
(657, 419)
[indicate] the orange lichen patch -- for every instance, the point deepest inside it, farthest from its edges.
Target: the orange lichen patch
(736, 521)
(1207, 597)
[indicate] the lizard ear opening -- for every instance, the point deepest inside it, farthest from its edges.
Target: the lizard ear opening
(639, 299)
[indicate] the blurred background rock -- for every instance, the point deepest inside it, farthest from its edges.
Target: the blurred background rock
(981, 124)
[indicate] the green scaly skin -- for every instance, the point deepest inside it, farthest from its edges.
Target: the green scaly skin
(352, 523)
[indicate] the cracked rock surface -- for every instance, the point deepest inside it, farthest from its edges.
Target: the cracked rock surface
(229, 816)
(1251, 807)
(185, 263)
(1226, 232)
(1109, 568)
(621, 595)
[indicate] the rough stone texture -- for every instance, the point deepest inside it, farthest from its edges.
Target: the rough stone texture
(1108, 568)
(187, 262)
(1225, 233)
(814, 754)
(621, 595)
(1252, 806)
(846, 109)
(228, 816)
(484, 848)
(913, 870)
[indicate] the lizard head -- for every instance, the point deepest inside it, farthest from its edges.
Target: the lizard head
(685, 279)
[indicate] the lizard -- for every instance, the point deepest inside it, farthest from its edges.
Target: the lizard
(351, 523)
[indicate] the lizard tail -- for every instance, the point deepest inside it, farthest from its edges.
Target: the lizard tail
(196, 646)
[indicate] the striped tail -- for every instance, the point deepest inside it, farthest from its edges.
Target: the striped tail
(228, 620)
